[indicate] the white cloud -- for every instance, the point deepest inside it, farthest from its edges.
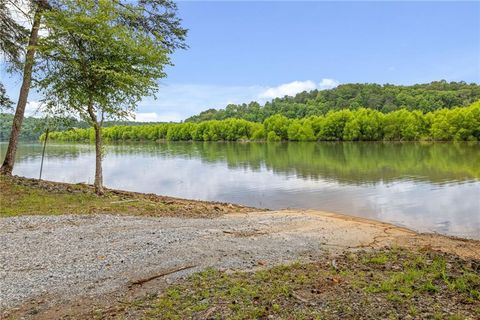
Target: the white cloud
(292, 88)
(288, 89)
(327, 84)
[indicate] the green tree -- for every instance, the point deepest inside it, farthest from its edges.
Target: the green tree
(384, 98)
(333, 125)
(5, 102)
(11, 44)
(299, 130)
(365, 125)
(101, 63)
(272, 136)
(456, 124)
(12, 34)
(359, 125)
(404, 125)
(278, 124)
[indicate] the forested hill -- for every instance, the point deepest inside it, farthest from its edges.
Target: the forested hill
(384, 98)
(33, 127)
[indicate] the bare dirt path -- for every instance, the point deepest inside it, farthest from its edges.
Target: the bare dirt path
(50, 261)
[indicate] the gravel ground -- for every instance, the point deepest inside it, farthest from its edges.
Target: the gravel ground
(62, 259)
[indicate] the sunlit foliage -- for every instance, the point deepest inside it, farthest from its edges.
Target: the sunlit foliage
(459, 124)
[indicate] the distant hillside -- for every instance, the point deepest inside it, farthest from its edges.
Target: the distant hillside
(384, 98)
(32, 127)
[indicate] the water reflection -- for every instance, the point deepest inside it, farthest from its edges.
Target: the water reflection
(424, 186)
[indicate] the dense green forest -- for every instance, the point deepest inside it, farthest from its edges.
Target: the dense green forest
(33, 127)
(385, 98)
(309, 107)
(459, 124)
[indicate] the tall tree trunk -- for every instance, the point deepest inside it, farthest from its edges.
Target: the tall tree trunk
(98, 160)
(7, 166)
(98, 184)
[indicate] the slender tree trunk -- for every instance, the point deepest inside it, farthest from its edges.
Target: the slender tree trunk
(7, 166)
(98, 160)
(98, 184)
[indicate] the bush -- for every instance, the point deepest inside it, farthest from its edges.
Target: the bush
(461, 124)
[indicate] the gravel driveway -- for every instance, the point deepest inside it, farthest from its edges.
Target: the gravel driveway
(62, 258)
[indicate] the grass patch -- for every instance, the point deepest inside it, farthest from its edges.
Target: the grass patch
(22, 196)
(389, 284)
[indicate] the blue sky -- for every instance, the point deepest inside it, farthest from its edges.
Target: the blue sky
(244, 51)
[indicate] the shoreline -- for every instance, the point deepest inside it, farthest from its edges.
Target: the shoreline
(130, 203)
(390, 234)
(219, 207)
(96, 258)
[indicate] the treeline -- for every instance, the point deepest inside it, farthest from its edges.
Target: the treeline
(33, 128)
(459, 124)
(384, 98)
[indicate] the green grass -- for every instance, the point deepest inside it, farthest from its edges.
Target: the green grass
(21, 196)
(19, 199)
(389, 284)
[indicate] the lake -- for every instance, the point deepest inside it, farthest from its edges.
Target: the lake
(431, 187)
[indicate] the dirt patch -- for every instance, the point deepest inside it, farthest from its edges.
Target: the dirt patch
(405, 238)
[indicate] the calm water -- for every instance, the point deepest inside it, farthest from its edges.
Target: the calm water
(426, 187)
